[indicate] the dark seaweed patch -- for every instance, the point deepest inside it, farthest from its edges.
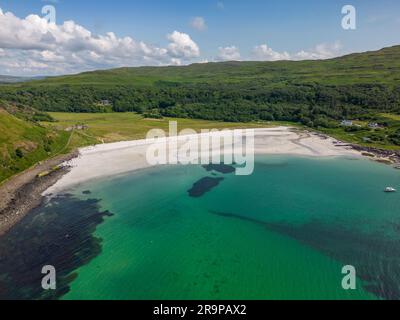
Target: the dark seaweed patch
(221, 168)
(60, 234)
(376, 257)
(86, 192)
(203, 186)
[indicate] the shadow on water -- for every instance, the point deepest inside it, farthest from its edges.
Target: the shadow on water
(203, 186)
(59, 233)
(206, 184)
(375, 257)
(221, 168)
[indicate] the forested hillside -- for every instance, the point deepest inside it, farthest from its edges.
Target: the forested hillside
(315, 93)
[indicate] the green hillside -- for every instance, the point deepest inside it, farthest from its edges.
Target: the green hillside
(24, 143)
(366, 68)
(378, 67)
(318, 94)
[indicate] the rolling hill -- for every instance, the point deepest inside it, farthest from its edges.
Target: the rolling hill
(381, 66)
(315, 93)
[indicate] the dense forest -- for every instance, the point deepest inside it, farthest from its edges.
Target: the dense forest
(312, 105)
(314, 93)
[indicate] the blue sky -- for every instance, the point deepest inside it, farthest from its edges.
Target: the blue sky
(232, 28)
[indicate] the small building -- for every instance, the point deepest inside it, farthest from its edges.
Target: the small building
(105, 103)
(81, 127)
(373, 125)
(346, 123)
(77, 127)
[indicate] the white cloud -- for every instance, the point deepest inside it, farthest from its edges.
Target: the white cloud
(199, 23)
(231, 53)
(32, 46)
(182, 45)
(321, 51)
(176, 62)
(263, 52)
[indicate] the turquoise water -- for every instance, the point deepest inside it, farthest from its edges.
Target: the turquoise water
(284, 232)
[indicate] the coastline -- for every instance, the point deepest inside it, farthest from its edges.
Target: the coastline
(122, 157)
(27, 190)
(23, 192)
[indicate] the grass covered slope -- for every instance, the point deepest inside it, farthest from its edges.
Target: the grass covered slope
(24, 143)
(376, 67)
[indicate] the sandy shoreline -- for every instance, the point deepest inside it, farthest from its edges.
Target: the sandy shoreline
(122, 157)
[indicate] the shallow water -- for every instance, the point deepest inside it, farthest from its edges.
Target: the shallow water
(284, 232)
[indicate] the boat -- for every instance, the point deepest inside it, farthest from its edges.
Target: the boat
(390, 189)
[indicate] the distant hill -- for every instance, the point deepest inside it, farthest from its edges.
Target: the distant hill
(310, 92)
(12, 79)
(381, 66)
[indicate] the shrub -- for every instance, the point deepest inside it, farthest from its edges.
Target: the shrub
(19, 153)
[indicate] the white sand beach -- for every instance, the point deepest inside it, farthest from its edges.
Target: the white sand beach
(117, 158)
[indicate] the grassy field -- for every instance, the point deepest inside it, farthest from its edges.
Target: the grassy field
(388, 116)
(114, 127)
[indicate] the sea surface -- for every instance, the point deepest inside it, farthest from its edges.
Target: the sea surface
(193, 232)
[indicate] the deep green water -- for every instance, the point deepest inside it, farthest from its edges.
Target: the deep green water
(284, 232)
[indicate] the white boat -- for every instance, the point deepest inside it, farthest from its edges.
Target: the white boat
(390, 189)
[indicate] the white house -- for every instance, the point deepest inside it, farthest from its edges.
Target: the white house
(347, 123)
